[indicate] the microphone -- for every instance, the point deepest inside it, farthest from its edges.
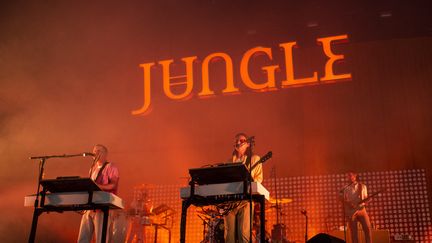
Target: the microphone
(85, 154)
(303, 211)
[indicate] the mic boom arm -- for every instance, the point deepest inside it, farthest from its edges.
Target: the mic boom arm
(85, 154)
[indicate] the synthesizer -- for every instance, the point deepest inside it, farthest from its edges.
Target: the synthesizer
(229, 190)
(63, 199)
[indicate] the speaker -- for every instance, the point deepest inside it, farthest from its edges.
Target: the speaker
(381, 236)
(324, 238)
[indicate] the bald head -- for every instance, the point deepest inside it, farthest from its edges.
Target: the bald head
(100, 152)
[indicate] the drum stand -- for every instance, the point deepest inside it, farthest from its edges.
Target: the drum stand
(279, 230)
(209, 236)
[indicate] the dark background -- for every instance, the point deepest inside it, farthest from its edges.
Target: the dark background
(70, 77)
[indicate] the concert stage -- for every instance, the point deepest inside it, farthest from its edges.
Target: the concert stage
(330, 87)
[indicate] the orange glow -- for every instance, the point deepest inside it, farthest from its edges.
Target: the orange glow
(229, 74)
(326, 43)
(290, 80)
(270, 70)
(167, 77)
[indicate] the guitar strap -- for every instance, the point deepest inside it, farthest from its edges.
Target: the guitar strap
(100, 171)
(248, 161)
(249, 157)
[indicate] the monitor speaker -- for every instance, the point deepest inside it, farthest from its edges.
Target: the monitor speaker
(324, 238)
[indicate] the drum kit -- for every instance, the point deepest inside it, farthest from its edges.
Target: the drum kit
(278, 232)
(213, 223)
(141, 213)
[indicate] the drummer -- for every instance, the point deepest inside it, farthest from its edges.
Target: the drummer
(140, 210)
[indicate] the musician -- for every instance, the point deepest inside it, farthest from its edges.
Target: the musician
(140, 210)
(355, 210)
(106, 176)
(238, 220)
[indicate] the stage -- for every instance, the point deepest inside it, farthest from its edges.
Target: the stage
(328, 87)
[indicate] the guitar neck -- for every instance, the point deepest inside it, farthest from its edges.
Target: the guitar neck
(262, 160)
(370, 197)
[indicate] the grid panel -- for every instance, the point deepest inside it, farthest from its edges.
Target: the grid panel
(402, 209)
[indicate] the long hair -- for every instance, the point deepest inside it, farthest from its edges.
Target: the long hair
(248, 150)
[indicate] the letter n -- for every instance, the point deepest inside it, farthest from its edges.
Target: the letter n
(167, 84)
(230, 88)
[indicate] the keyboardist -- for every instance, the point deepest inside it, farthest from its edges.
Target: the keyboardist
(240, 217)
(106, 176)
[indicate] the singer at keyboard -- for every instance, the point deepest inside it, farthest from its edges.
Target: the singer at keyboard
(106, 176)
(242, 153)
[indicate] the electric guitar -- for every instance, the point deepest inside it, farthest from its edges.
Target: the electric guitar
(351, 209)
(263, 159)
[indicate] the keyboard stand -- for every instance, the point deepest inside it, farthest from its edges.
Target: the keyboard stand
(56, 185)
(201, 201)
(38, 211)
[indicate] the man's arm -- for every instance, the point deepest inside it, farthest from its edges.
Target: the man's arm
(111, 185)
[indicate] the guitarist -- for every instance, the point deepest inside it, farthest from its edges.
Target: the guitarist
(353, 197)
(238, 219)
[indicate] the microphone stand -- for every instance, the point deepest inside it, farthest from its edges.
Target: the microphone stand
(304, 212)
(343, 208)
(249, 158)
(36, 202)
(278, 210)
(306, 231)
(344, 222)
(276, 195)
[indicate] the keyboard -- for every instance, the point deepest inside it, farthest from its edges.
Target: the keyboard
(224, 190)
(67, 199)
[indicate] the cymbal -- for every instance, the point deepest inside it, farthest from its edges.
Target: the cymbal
(280, 200)
(269, 209)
